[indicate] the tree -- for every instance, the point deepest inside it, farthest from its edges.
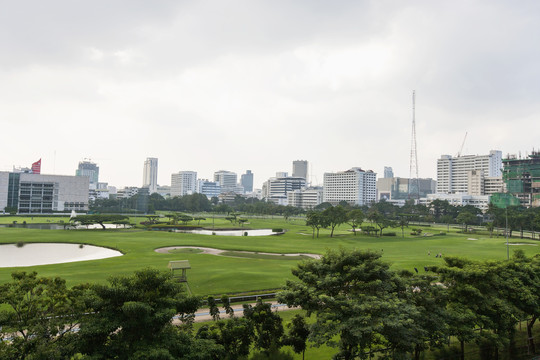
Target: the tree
(267, 325)
(40, 312)
(429, 323)
(403, 222)
(334, 216)
(355, 298)
(213, 308)
(227, 305)
(355, 218)
(131, 318)
(477, 295)
(99, 219)
(185, 218)
(380, 220)
(298, 335)
(316, 221)
(466, 218)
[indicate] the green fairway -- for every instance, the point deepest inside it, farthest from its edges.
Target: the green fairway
(212, 274)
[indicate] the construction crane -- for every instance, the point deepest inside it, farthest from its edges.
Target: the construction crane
(462, 145)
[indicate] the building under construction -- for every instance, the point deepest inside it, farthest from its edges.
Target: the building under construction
(522, 178)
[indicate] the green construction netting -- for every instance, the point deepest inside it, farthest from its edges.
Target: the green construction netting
(502, 200)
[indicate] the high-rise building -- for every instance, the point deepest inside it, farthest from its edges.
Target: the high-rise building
(276, 188)
(453, 172)
(227, 180)
(183, 183)
(355, 186)
(246, 180)
(300, 169)
(91, 170)
(522, 178)
(388, 172)
(150, 174)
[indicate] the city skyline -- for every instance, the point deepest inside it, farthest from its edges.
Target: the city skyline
(210, 86)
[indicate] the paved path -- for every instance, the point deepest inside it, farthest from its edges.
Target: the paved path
(212, 251)
(203, 315)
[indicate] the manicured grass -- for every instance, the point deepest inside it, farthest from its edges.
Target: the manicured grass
(211, 274)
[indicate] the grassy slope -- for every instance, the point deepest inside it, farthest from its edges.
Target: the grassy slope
(212, 274)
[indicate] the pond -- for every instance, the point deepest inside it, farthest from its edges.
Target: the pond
(257, 232)
(51, 253)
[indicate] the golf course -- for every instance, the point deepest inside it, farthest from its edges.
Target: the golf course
(247, 264)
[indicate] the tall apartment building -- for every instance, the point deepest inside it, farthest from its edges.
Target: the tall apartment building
(246, 180)
(522, 178)
(90, 170)
(183, 183)
(150, 171)
(453, 172)
(355, 186)
(300, 169)
(43, 194)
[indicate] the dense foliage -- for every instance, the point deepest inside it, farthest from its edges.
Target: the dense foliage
(359, 305)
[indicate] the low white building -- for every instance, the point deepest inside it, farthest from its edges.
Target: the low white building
(479, 201)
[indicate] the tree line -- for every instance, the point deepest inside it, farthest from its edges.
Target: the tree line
(354, 302)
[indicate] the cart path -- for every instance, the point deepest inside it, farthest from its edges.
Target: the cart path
(203, 315)
(213, 251)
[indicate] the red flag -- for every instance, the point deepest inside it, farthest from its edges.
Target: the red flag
(36, 167)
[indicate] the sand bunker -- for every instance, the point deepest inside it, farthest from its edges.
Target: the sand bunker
(212, 251)
(51, 253)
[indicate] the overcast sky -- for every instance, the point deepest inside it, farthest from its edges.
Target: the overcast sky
(236, 85)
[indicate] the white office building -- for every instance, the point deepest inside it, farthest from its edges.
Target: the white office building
(275, 189)
(150, 171)
(43, 194)
(479, 201)
(183, 183)
(355, 186)
(453, 173)
(306, 198)
(228, 181)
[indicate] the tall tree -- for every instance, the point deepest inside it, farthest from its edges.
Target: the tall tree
(39, 313)
(334, 216)
(132, 316)
(355, 219)
(355, 298)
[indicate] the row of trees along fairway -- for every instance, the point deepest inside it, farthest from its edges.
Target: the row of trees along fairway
(357, 303)
(362, 307)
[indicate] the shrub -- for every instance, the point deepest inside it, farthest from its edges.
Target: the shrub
(19, 244)
(277, 230)
(81, 246)
(245, 233)
(391, 233)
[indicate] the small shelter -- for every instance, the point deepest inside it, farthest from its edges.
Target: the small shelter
(177, 265)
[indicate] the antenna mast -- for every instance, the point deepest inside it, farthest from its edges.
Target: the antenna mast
(414, 188)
